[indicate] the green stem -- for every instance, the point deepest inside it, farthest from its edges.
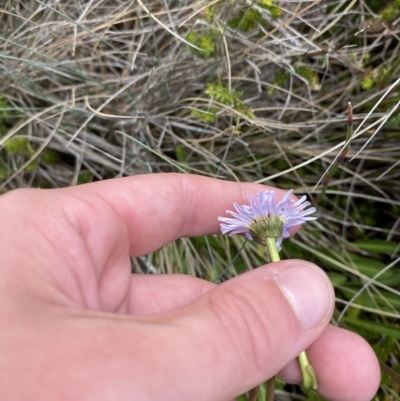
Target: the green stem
(274, 256)
(272, 249)
(307, 371)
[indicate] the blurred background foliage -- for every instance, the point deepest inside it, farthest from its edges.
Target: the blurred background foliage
(243, 91)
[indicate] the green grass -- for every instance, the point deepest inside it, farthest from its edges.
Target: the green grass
(242, 91)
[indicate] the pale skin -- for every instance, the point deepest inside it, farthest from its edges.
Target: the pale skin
(77, 325)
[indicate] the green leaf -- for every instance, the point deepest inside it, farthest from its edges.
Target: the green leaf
(367, 266)
(371, 268)
(376, 246)
(337, 278)
(372, 327)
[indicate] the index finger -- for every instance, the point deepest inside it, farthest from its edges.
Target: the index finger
(160, 208)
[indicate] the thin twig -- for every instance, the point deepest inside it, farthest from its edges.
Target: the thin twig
(253, 393)
(270, 389)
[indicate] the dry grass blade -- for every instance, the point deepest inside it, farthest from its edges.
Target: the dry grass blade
(244, 91)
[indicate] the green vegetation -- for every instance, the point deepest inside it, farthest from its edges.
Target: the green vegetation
(18, 146)
(249, 18)
(208, 116)
(205, 42)
(225, 96)
(246, 20)
(262, 99)
(272, 7)
(391, 11)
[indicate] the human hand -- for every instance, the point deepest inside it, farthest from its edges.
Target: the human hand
(77, 325)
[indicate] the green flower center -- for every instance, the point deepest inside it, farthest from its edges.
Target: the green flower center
(266, 227)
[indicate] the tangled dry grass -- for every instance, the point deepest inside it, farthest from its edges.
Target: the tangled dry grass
(246, 91)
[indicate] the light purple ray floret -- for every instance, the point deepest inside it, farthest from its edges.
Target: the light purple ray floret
(263, 205)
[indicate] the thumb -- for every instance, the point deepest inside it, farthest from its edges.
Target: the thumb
(246, 330)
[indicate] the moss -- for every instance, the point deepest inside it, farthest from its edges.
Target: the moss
(280, 79)
(371, 78)
(192, 37)
(223, 94)
(394, 122)
(4, 106)
(85, 177)
(391, 11)
(264, 3)
(4, 115)
(50, 156)
(246, 20)
(204, 42)
(249, 19)
(274, 10)
(3, 129)
(388, 13)
(229, 97)
(207, 44)
(18, 146)
(32, 166)
(310, 76)
(3, 173)
(209, 14)
(367, 82)
(204, 116)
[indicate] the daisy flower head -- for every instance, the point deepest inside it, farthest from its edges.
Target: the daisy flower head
(265, 218)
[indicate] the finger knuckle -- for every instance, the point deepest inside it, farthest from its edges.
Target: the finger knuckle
(241, 316)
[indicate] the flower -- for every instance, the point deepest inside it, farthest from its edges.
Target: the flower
(265, 218)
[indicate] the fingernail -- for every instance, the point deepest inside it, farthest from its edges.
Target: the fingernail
(309, 292)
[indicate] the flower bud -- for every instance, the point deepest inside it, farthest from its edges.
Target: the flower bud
(266, 227)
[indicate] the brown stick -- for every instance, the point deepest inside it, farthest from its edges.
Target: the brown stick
(270, 389)
(253, 394)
